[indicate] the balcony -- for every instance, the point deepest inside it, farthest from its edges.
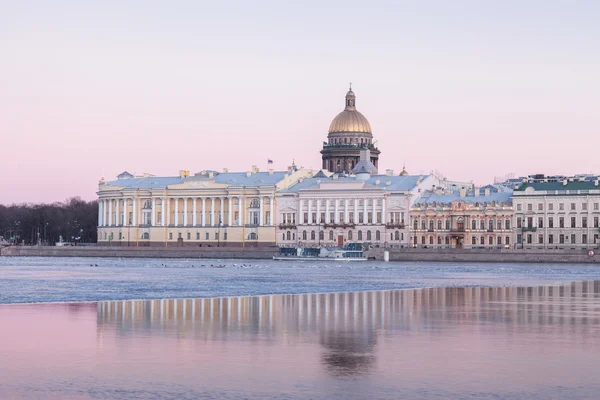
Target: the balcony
(457, 230)
(287, 226)
(395, 225)
(339, 225)
(529, 229)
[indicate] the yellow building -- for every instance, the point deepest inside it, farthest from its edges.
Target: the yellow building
(208, 208)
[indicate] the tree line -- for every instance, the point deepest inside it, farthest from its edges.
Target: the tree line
(73, 220)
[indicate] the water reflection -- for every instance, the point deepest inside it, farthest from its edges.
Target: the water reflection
(348, 326)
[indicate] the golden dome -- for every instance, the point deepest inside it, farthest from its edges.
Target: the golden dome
(350, 120)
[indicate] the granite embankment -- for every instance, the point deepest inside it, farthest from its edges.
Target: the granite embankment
(489, 255)
(143, 252)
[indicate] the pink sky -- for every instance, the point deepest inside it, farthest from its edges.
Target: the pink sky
(474, 91)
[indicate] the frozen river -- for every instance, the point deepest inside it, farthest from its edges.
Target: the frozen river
(35, 280)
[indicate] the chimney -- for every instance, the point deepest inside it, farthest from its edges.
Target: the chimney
(225, 170)
(254, 169)
(463, 192)
(270, 172)
(248, 173)
(377, 182)
(565, 182)
(388, 183)
(477, 192)
(596, 182)
(487, 192)
(210, 174)
(389, 172)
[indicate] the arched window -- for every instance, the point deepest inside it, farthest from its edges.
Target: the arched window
(482, 225)
(391, 236)
(473, 240)
(439, 240)
(147, 205)
(253, 236)
(304, 235)
(499, 225)
(416, 224)
(283, 236)
(369, 235)
(491, 240)
(482, 240)
(349, 235)
(439, 224)
(288, 235)
(397, 235)
(431, 225)
(473, 224)
(491, 225)
(321, 235)
(146, 235)
(447, 224)
(254, 203)
(447, 240)
(312, 235)
(359, 235)
(330, 235)
(430, 239)
(422, 239)
(377, 235)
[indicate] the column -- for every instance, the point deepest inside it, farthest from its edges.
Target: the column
(125, 222)
(153, 218)
(374, 217)
(168, 211)
(117, 212)
(194, 219)
(162, 211)
(318, 221)
(176, 200)
(212, 211)
(271, 210)
(240, 221)
(327, 219)
(110, 214)
(203, 211)
(229, 211)
(336, 216)
(309, 209)
(365, 219)
(383, 217)
(346, 211)
(355, 211)
(300, 213)
(222, 210)
(134, 210)
(100, 209)
(261, 210)
(185, 211)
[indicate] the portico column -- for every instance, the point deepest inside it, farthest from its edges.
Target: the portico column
(194, 219)
(373, 212)
(260, 210)
(134, 209)
(300, 213)
(153, 218)
(365, 216)
(203, 211)
(117, 212)
(212, 211)
(336, 216)
(110, 214)
(355, 211)
(176, 211)
(327, 219)
(100, 208)
(185, 211)
(229, 211)
(221, 210)
(272, 210)
(318, 221)
(240, 221)
(125, 222)
(346, 211)
(162, 211)
(168, 211)
(383, 218)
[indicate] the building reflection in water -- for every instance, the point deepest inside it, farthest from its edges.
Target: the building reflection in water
(349, 325)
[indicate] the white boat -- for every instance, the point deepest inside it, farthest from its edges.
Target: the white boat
(320, 254)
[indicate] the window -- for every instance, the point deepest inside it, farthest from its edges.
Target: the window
(499, 240)
(179, 235)
(507, 241)
(584, 206)
(540, 222)
(422, 239)
(573, 222)
(550, 239)
(189, 236)
(540, 207)
(519, 238)
(431, 225)
(596, 221)
(584, 222)
(416, 224)
(312, 235)
(314, 218)
(573, 239)
(349, 235)
(584, 238)
(331, 235)
(351, 216)
(439, 240)
(474, 240)
(288, 235)
(518, 223)
(377, 235)
(322, 235)
(530, 207)
(423, 225)
(361, 219)
(573, 206)
(146, 236)
(561, 239)
(439, 224)
(499, 225)
(447, 240)
(551, 207)
(491, 225)
(541, 239)
(397, 235)
(369, 235)
(529, 239)
(341, 217)
(473, 224)
(482, 240)
(170, 235)
(507, 224)
(550, 222)
(490, 240)
(216, 235)
(304, 235)
(305, 218)
(596, 206)
(370, 218)
(360, 236)
(561, 222)
(482, 225)
(253, 236)
(197, 235)
(519, 208)
(431, 240)
(206, 236)
(447, 224)
(120, 236)
(561, 206)
(332, 217)
(378, 217)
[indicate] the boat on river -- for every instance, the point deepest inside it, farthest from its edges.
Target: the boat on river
(346, 253)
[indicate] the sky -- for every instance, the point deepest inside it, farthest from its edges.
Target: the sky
(472, 89)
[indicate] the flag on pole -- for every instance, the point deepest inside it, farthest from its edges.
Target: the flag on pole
(269, 161)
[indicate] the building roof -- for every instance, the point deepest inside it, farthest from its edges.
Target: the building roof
(396, 183)
(575, 185)
(430, 197)
(350, 120)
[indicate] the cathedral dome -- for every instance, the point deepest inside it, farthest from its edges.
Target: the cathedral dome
(350, 120)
